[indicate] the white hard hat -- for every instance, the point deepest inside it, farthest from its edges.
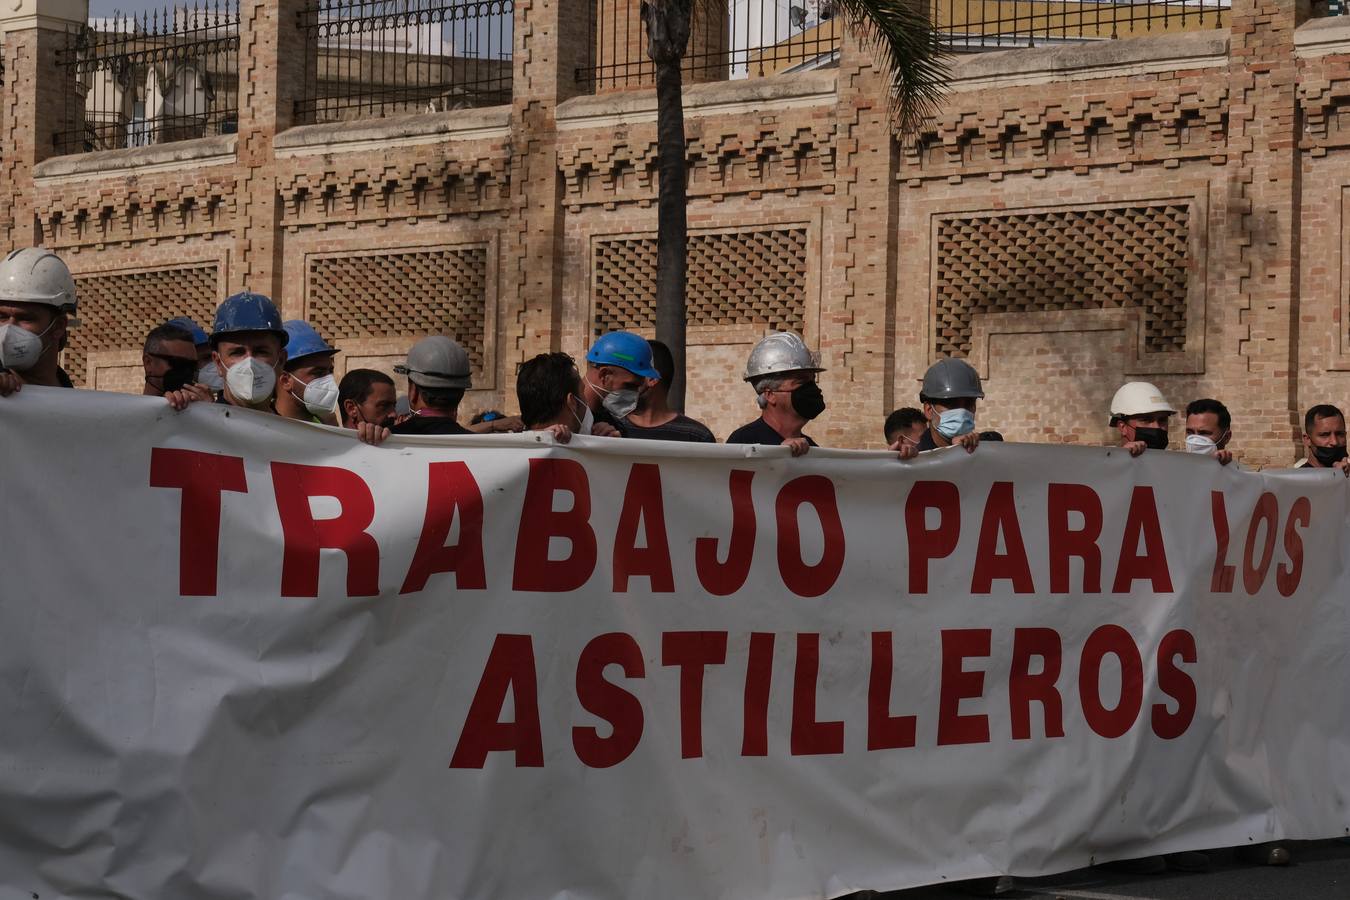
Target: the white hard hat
(1137, 398)
(37, 275)
(781, 351)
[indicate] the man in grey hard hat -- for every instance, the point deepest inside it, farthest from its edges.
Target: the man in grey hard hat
(950, 393)
(782, 370)
(438, 375)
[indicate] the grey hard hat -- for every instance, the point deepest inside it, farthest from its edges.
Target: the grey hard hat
(781, 351)
(437, 362)
(948, 379)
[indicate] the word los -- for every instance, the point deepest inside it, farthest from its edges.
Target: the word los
(1037, 661)
(641, 545)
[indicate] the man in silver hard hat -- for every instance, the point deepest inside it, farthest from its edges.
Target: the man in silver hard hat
(37, 300)
(950, 394)
(1140, 414)
(438, 375)
(782, 370)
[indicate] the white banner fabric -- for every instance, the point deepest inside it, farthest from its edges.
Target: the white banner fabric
(243, 657)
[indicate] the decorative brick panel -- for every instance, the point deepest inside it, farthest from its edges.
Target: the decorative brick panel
(116, 311)
(1119, 257)
(754, 277)
(411, 293)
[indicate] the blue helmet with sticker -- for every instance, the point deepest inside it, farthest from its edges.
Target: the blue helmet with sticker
(304, 341)
(199, 336)
(247, 311)
(624, 350)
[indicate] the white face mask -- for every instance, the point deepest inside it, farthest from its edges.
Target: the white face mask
(321, 395)
(1198, 443)
(620, 403)
(209, 375)
(20, 348)
(251, 380)
(587, 420)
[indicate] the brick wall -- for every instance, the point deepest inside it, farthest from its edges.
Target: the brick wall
(1168, 208)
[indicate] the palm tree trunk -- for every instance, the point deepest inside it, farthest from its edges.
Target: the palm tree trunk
(668, 24)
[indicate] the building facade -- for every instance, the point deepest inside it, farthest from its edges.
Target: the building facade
(1169, 207)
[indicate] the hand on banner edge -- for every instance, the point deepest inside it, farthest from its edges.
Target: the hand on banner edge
(372, 434)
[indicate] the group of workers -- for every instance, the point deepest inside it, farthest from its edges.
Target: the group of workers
(251, 358)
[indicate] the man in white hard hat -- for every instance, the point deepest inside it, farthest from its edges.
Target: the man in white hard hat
(37, 300)
(782, 370)
(1140, 414)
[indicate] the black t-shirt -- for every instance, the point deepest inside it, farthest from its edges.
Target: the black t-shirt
(63, 378)
(430, 425)
(760, 432)
(680, 428)
(926, 442)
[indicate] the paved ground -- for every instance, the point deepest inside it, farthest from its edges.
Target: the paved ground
(1321, 870)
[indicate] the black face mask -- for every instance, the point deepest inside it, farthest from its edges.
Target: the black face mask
(807, 400)
(1153, 438)
(1329, 456)
(180, 374)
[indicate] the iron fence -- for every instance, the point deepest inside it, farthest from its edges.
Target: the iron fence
(1002, 24)
(164, 75)
(374, 58)
(747, 38)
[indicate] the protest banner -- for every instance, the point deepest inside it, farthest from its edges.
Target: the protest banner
(247, 657)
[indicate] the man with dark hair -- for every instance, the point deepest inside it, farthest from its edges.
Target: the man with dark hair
(1209, 429)
(1324, 439)
(905, 425)
(653, 419)
(438, 375)
(366, 396)
(548, 390)
(169, 358)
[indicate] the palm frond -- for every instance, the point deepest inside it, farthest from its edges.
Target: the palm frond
(909, 47)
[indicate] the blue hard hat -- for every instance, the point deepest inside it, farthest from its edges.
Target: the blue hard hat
(304, 341)
(624, 350)
(247, 311)
(199, 336)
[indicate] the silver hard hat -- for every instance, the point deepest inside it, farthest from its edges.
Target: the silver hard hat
(949, 379)
(781, 351)
(437, 362)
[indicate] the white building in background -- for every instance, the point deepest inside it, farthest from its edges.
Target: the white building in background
(758, 24)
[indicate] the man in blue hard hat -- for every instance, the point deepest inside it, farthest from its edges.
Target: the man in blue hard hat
(248, 345)
(618, 365)
(307, 390)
